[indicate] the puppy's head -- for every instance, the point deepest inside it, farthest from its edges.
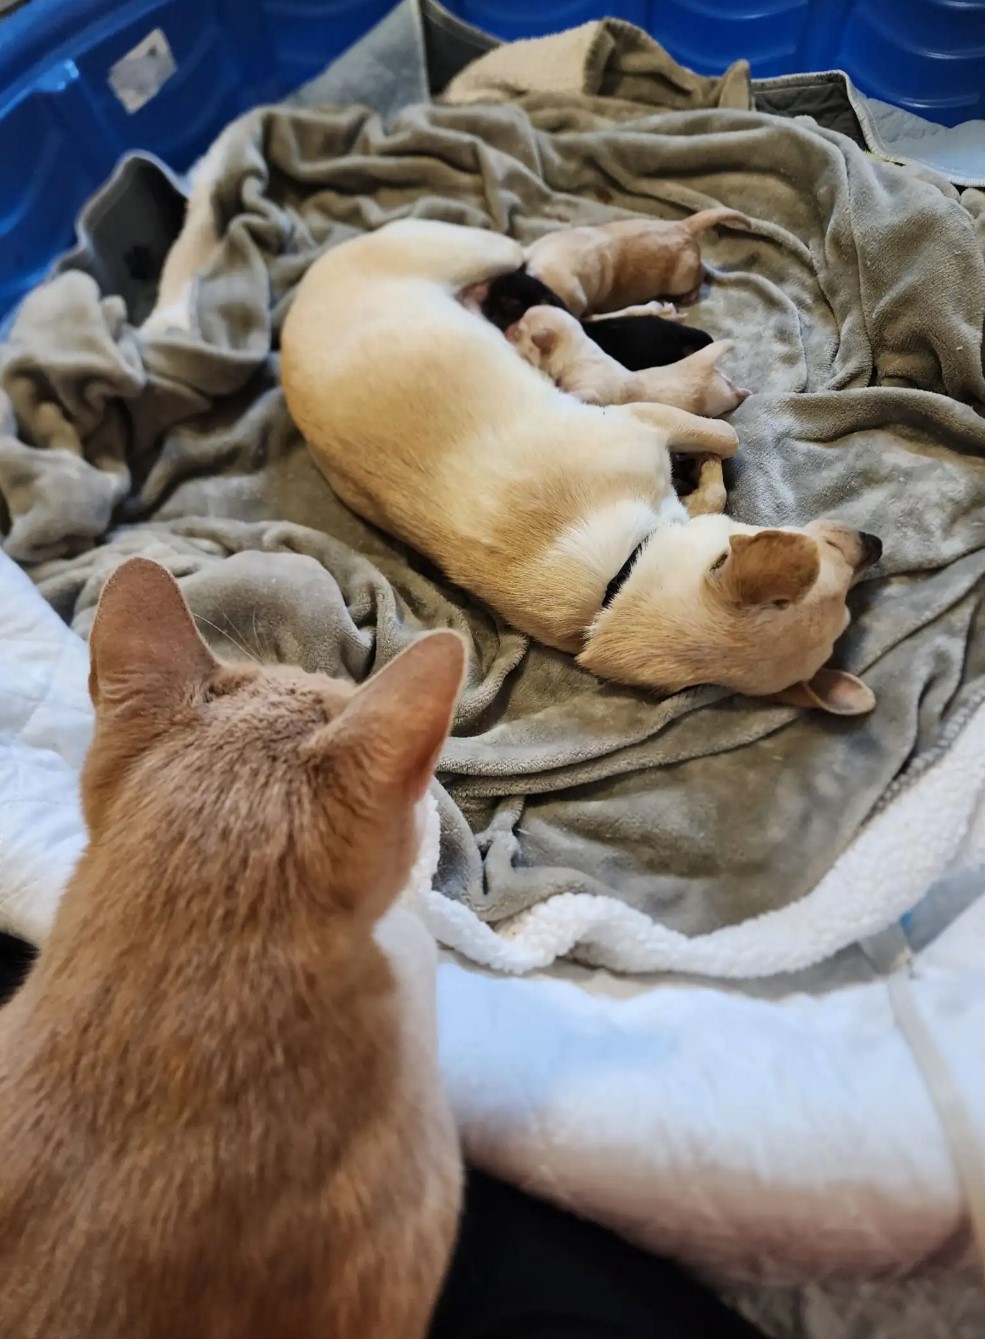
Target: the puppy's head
(544, 336)
(509, 296)
(758, 611)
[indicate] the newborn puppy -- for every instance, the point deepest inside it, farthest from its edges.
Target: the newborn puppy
(553, 341)
(637, 338)
(507, 297)
(614, 265)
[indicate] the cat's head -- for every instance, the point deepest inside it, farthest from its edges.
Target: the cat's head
(270, 776)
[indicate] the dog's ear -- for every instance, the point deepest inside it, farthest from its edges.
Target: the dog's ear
(774, 567)
(830, 690)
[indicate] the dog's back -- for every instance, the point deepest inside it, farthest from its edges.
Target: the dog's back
(426, 421)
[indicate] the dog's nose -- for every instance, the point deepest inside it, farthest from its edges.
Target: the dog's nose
(871, 549)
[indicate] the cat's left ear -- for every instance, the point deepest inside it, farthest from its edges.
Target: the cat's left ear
(144, 632)
(395, 726)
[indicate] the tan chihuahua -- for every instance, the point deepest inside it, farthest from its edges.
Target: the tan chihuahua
(560, 515)
(610, 266)
(220, 1106)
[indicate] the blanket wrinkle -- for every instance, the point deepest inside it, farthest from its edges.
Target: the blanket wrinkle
(857, 305)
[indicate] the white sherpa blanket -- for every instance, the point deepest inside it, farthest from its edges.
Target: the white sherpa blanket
(779, 1139)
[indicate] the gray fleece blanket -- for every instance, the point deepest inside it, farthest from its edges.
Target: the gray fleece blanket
(857, 304)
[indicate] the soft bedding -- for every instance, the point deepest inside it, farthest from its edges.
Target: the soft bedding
(779, 1133)
(777, 1139)
(578, 818)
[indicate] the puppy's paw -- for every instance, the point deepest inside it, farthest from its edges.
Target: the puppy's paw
(708, 497)
(657, 307)
(711, 486)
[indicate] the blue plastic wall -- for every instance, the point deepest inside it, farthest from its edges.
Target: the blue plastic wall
(62, 128)
(926, 55)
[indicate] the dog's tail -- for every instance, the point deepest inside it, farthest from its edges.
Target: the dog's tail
(710, 218)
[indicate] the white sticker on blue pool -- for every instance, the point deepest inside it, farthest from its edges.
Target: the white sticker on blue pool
(143, 71)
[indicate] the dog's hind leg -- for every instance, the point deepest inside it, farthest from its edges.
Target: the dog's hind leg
(448, 253)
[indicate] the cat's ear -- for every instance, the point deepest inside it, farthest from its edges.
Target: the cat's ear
(397, 723)
(143, 631)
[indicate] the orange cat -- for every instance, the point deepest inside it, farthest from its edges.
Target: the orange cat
(220, 1109)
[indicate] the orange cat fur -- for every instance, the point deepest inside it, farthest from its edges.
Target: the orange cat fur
(220, 1109)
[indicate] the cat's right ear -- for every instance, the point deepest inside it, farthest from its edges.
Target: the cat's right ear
(397, 723)
(144, 633)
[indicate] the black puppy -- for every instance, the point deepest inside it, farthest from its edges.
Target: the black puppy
(512, 295)
(635, 341)
(645, 341)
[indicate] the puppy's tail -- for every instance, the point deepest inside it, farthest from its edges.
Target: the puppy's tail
(710, 218)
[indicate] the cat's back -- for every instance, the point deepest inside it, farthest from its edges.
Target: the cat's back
(220, 1112)
(239, 1155)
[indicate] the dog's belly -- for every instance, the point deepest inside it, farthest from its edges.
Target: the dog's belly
(536, 534)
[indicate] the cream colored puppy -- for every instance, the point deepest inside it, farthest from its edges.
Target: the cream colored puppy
(606, 267)
(554, 341)
(559, 515)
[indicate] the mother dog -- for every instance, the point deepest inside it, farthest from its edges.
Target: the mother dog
(559, 515)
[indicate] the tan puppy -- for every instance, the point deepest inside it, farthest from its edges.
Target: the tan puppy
(220, 1105)
(426, 422)
(614, 265)
(553, 341)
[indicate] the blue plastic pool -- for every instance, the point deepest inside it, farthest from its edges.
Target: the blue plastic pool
(82, 81)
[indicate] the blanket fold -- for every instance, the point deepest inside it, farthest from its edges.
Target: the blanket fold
(609, 57)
